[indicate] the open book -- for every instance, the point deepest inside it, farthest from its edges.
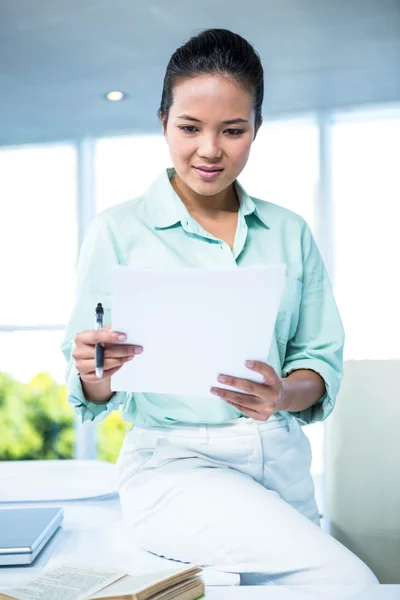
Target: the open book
(77, 582)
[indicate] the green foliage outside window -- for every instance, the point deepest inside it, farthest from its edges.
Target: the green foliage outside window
(37, 423)
(110, 434)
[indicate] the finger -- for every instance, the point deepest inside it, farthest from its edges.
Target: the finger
(99, 336)
(246, 400)
(86, 351)
(88, 366)
(92, 377)
(121, 350)
(248, 411)
(270, 377)
(250, 387)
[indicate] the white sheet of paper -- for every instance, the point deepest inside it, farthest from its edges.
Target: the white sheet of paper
(193, 325)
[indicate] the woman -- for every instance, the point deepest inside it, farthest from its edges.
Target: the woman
(226, 485)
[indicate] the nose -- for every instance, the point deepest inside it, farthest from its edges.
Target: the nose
(209, 147)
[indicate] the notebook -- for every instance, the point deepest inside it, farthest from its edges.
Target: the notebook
(80, 582)
(24, 532)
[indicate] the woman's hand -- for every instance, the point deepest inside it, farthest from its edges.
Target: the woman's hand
(261, 400)
(116, 353)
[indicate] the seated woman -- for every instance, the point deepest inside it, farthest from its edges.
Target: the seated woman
(225, 485)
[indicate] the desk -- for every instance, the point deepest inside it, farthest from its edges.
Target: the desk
(93, 533)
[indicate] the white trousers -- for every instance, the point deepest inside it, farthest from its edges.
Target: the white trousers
(237, 497)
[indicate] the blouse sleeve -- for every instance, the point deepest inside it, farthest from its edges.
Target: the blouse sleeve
(98, 256)
(318, 342)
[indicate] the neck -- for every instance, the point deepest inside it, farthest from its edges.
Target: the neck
(224, 201)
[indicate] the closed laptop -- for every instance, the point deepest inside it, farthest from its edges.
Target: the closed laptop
(24, 532)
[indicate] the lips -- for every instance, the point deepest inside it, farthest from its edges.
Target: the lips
(208, 173)
(208, 169)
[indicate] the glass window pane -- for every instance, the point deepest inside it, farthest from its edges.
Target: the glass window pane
(283, 166)
(38, 233)
(366, 193)
(36, 421)
(24, 354)
(126, 166)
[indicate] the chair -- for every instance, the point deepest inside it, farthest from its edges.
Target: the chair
(362, 476)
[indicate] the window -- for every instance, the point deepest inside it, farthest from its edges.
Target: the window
(38, 240)
(283, 166)
(38, 249)
(125, 166)
(24, 354)
(366, 194)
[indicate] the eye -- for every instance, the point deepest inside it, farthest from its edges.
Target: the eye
(234, 132)
(188, 128)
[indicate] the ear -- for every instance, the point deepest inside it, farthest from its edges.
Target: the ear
(260, 122)
(164, 122)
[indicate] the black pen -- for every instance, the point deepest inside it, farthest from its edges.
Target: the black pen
(99, 348)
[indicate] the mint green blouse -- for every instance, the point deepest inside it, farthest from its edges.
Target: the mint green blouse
(155, 230)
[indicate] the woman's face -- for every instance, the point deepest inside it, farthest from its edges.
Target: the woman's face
(210, 125)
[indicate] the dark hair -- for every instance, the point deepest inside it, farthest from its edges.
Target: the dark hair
(215, 52)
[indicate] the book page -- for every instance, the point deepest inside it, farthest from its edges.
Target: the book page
(65, 582)
(133, 584)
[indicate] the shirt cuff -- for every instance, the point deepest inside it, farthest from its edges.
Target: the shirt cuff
(323, 407)
(89, 411)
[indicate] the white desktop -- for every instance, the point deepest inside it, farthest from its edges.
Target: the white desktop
(93, 532)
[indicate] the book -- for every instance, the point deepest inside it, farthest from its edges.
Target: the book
(80, 582)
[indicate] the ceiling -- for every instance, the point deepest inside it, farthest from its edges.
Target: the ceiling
(58, 58)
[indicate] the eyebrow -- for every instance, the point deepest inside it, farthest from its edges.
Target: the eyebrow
(229, 122)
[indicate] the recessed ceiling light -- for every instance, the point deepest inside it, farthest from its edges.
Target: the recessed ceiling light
(115, 96)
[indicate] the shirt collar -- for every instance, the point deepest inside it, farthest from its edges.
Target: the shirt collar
(166, 208)
(247, 204)
(164, 205)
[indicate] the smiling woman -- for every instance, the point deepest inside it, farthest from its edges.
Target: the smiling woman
(210, 155)
(199, 112)
(204, 459)
(198, 115)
